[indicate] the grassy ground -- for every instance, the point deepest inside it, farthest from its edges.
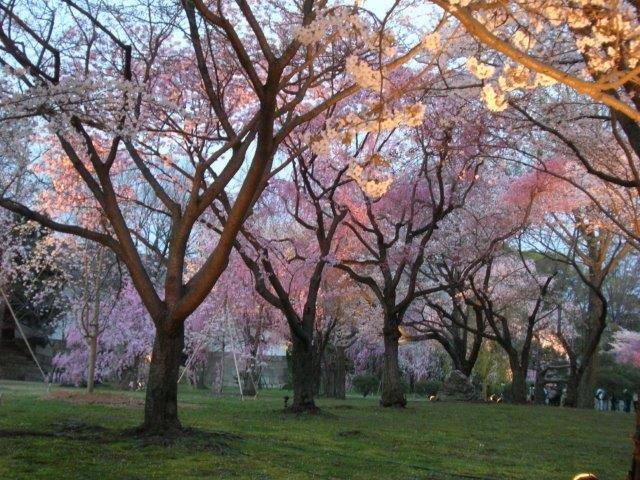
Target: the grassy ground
(47, 438)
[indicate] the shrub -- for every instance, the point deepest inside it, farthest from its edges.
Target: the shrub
(404, 385)
(426, 388)
(365, 384)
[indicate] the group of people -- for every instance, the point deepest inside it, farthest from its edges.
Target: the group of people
(606, 401)
(554, 395)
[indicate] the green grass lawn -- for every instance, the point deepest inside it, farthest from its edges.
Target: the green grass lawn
(353, 439)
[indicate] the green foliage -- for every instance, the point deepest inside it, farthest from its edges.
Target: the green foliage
(426, 388)
(404, 384)
(615, 377)
(491, 369)
(365, 384)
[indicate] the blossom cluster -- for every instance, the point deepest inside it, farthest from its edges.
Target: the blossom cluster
(336, 19)
(363, 75)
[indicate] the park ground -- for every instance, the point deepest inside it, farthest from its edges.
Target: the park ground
(63, 434)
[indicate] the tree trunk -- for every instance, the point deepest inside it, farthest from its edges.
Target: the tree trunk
(248, 382)
(328, 376)
(91, 368)
(392, 394)
(317, 372)
(334, 373)
(518, 384)
(340, 382)
(467, 369)
(303, 377)
(571, 399)
(161, 404)
(198, 377)
(587, 385)
(538, 392)
(593, 332)
(219, 387)
(7, 326)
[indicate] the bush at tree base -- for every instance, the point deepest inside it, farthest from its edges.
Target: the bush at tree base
(426, 388)
(365, 384)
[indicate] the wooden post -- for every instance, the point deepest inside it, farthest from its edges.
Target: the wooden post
(634, 473)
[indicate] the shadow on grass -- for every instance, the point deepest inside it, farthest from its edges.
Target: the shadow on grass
(188, 439)
(304, 414)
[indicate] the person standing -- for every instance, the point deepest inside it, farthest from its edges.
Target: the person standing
(600, 399)
(627, 398)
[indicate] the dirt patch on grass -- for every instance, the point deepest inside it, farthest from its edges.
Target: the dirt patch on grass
(84, 398)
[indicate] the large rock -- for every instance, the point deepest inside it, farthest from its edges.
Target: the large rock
(458, 388)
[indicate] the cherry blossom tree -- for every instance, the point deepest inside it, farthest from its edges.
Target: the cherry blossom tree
(449, 321)
(460, 247)
(155, 111)
(348, 312)
(513, 298)
(96, 299)
(589, 46)
(626, 345)
(123, 346)
(442, 160)
(288, 263)
(234, 318)
(593, 253)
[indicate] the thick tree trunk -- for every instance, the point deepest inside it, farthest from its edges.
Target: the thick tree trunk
(392, 394)
(593, 332)
(518, 384)
(91, 367)
(161, 405)
(587, 385)
(303, 377)
(571, 398)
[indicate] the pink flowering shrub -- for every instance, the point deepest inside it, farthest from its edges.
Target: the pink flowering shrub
(123, 348)
(626, 347)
